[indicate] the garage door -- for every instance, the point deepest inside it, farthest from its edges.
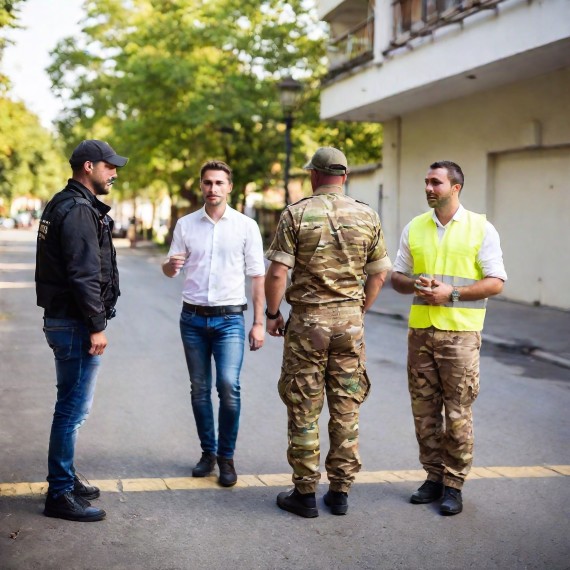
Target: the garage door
(531, 210)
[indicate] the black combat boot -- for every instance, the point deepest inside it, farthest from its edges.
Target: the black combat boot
(72, 508)
(205, 466)
(452, 503)
(429, 492)
(337, 501)
(304, 505)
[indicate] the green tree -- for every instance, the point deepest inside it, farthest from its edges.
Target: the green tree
(8, 21)
(175, 82)
(31, 163)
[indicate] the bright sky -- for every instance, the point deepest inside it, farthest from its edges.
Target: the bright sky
(44, 23)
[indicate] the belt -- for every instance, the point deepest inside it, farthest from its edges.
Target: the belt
(205, 311)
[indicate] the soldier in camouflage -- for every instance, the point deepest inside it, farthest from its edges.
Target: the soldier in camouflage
(335, 248)
(451, 259)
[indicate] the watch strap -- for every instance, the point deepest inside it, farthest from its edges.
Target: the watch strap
(272, 316)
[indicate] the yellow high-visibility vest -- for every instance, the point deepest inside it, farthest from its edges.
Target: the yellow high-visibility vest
(452, 260)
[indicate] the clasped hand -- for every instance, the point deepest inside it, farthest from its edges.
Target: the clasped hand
(434, 292)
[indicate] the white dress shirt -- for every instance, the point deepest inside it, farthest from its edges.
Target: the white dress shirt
(489, 257)
(219, 256)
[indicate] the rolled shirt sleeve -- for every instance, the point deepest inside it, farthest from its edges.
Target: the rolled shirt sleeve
(282, 248)
(490, 256)
(377, 260)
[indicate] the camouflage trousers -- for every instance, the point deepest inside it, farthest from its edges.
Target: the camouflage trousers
(324, 354)
(443, 380)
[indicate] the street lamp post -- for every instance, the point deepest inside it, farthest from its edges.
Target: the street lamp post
(289, 91)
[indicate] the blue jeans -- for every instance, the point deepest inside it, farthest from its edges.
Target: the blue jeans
(76, 372)
(222, 337)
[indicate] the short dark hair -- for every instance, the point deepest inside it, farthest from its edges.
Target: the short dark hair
(454, 172)
(216, 165)
(78, 167)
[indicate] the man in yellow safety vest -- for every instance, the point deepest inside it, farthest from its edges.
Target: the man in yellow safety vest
(451, 259)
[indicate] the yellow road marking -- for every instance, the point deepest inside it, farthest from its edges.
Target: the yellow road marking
(283, 479)
(17, 266)
(16, 284)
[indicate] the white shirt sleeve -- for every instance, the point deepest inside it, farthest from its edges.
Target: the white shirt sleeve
(404, 262)
(253, 252)
(490, 256)
(177, 245)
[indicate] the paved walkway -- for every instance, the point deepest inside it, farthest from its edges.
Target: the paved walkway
(541, 332)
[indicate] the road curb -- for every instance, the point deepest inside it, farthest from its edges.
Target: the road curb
(499, 342)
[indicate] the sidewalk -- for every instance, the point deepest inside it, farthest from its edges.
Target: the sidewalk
(540, 332)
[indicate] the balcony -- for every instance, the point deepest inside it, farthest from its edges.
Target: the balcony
(417, 62)
(351, 49)
(417, 18)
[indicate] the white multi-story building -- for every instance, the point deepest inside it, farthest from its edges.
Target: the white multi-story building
(485, 83)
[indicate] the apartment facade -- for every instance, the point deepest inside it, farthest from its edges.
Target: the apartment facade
(485, 83)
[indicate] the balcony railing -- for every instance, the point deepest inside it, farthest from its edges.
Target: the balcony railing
(416, 18)
(352, 48)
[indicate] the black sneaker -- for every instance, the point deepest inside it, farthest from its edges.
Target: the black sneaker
(298, 504)
(205, 466)
(84, 489)
(228, 475)
(337, 501)
(429, 492)
(72, 508)
(452, 503)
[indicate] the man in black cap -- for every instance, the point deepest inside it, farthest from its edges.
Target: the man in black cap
(77, 284)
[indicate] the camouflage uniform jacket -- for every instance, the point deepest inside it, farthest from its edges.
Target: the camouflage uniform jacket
(331, 241)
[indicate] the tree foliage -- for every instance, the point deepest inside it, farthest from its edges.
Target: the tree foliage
(8, 21)
(31, 163)
(172, 83)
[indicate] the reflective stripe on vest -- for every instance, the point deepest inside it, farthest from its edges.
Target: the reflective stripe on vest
(453, 260)
(456, 282)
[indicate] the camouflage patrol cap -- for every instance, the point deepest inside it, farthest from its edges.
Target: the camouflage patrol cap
(329, 160)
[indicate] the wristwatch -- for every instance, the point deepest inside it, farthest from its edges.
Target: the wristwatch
(455, 294)
(271, 316)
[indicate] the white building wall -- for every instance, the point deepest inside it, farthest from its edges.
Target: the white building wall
(491, 48)
(365, 186)
(475, 131)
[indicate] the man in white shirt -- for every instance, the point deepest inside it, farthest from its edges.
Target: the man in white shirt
(451, 259)
(217, 247)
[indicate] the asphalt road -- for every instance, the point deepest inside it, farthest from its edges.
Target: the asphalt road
(141, 432)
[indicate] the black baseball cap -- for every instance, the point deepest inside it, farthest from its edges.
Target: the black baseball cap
(94, 151)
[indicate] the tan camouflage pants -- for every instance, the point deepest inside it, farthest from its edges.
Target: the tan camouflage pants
(324, 354)
(443, 380)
